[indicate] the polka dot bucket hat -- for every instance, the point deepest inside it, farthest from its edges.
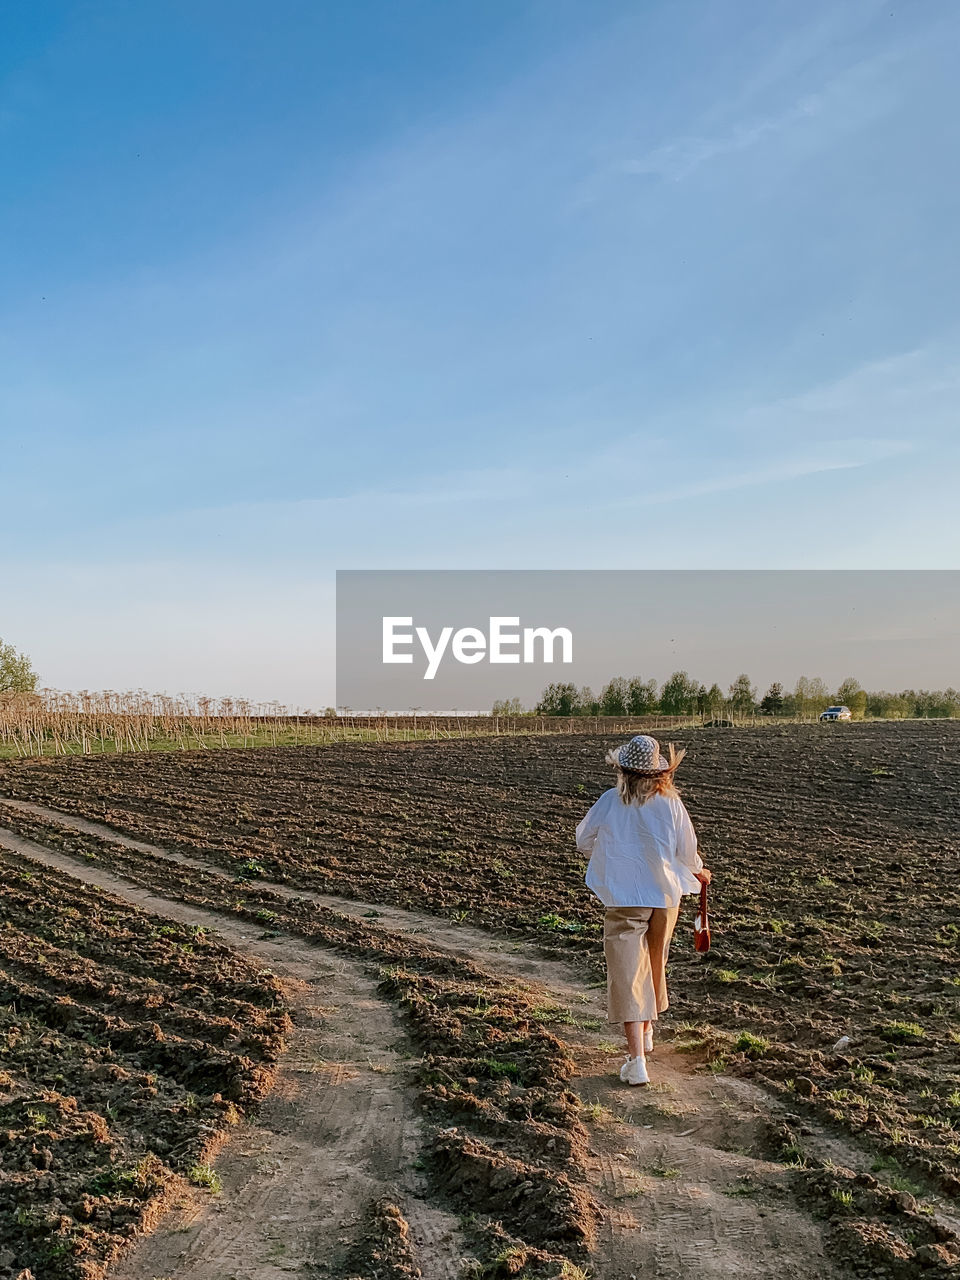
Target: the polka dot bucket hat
(642, 755)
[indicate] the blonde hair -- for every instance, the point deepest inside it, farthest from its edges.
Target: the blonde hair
(638, 788)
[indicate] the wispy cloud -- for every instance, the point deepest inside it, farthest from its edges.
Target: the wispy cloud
(878, 411)
(678, 159)
(911, 393)
(840, 455)
(845, 101)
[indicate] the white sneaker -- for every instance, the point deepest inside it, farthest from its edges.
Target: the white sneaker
(648, 1040)
(634, 1071)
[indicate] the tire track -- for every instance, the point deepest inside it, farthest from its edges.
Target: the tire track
(339, 1130)
(512, 959)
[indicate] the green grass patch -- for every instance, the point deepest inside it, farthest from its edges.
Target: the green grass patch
(250, 870)
(204, 1175)
(752, 1045)
(902, 1032)
(496, 1067)
(560, 924)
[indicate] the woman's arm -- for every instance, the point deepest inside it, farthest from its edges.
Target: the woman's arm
(687, 845)
(587, 829)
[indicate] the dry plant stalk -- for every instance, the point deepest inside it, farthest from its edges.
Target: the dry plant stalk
(51, 722)
(54, 723)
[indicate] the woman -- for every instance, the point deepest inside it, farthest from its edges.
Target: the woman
(643, 858)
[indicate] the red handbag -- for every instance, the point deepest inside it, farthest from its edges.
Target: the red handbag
(701, 925)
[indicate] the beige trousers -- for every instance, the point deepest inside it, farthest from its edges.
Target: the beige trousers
(636, 943)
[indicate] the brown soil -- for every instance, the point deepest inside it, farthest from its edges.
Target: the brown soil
(128, 1044)
(836, 901)
(821, 811)
(463, 1034)
(338, 1129)
(673, 1167)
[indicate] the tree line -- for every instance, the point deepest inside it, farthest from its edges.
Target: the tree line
(679, 695)
(682, 695)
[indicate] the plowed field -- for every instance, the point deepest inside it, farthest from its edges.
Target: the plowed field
(128, 1045)
(834, 978)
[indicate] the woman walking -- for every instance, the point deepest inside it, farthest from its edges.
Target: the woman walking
(643, 859)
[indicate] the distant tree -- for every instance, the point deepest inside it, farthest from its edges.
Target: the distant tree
(16, 673)
(772, 702)
(919, 700)
(848, 690)
(743, 696)
(858, 704)
(329, 713)
(811, 697)
(818, 694)
(641, 697)
(614, 697)
(588, 704)
(559, 700)
(678, 697)
(933, 702)
(715, 702)
(509, 707)
(800, 693)
(896, 706)
(876, 701)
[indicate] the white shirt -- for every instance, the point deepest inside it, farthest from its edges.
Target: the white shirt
(641, 855)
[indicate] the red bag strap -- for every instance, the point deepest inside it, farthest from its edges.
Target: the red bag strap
(703, 905)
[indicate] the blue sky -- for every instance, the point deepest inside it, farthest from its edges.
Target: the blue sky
(293, 287)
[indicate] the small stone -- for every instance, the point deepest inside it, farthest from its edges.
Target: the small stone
(804, 1087)
(935, 1255)
(904, 1200)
